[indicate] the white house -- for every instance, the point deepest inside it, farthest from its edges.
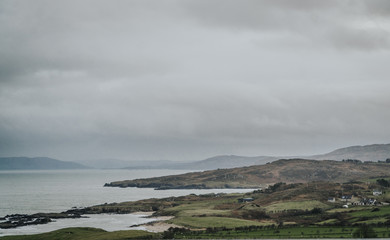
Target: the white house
(346, 198)
(376, 192)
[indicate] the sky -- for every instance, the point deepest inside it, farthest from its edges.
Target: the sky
(185, 80)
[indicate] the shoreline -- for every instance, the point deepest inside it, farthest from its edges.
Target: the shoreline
(148, 214)
(106, 221)
(155, 224)
(159, 225)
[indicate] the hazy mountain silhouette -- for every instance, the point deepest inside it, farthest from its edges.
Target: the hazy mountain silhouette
(37, 163)
(373, 152)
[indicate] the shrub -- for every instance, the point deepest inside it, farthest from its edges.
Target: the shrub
(254, 214)
(383, 182)
(364, 231)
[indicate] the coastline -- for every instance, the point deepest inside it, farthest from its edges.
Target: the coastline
(158, 225)
(146, 221)
(149, 213)
(107, 221)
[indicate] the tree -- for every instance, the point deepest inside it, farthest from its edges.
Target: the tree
(364, 231)
(383, 182)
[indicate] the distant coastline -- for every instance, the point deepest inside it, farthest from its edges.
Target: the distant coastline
(259, 176)
(37, 163)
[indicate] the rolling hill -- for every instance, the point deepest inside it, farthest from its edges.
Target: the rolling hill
(372, 152)
(120, 164)
(289, 171)
(227, 161)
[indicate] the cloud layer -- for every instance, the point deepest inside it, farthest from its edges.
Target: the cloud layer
(185, 80)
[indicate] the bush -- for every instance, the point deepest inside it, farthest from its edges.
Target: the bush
(383, 182)
(276, 186)
(316, 211)
(364, 231)
(254, 214)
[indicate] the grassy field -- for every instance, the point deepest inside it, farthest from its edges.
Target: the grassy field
(237, 233)
(345, 210)
(85, 234)
(328, 222)
(296, 205)
(202, 207)
(278, 233)
(384, 197)
(372, 221)
(248, 233)
(204, 222)
(371, 212)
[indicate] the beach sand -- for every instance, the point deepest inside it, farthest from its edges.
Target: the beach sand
(143, 213)
(158, 225)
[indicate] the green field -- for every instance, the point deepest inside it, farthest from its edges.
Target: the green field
(373, 221)
(204, 222)
(203, 207)
(328, 222)
(221, 233)
(345, 210)
(85, 234)
(278, 233)
(372, 212)
(296, 205)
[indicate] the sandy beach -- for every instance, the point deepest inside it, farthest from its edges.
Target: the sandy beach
(144, 213)
(158, 225)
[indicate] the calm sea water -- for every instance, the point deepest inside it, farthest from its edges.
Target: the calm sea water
(27, 192)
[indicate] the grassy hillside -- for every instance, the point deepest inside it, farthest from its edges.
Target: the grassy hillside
(289, 171)
(298, 203)
(85, 234)
(227, 161)
(298, 210)
(373, 152)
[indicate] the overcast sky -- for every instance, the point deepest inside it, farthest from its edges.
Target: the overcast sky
(187, 80)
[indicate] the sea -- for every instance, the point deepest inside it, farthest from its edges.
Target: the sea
(45, 191)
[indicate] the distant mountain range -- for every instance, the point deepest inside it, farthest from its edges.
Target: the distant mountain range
(372, 152)
(117, 164)
(38, 163)
(224, 161)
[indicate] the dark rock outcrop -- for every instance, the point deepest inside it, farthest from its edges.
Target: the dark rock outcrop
(18, 220)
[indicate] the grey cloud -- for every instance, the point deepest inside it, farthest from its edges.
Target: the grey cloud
(381, 7)
(44, 35)
(186, 80)
(363, 39)
(337, 24)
